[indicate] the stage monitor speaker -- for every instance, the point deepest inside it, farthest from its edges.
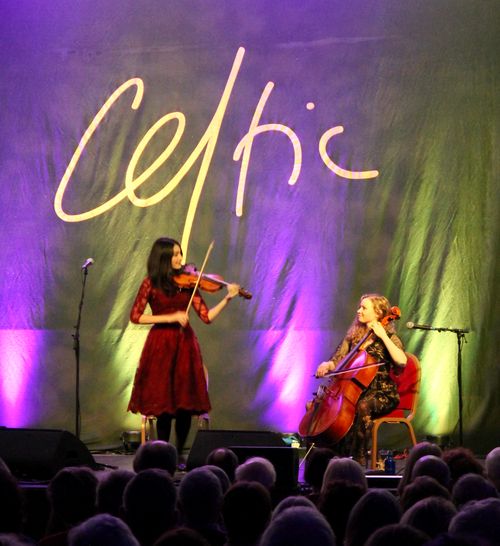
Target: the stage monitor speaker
(208, 440)
(38, 454)
(246, 444)
(383, 481)
(285, 461)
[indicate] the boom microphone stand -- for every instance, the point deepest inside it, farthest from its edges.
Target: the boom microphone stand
(460, 333)
(76, 346)
(460, 341)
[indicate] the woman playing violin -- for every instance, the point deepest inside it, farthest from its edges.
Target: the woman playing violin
(170, 381)
(381, 396)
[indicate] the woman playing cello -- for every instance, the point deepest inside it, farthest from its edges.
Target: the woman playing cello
(381, 396)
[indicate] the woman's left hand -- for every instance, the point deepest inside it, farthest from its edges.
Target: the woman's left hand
(377, 328)
(232, 291)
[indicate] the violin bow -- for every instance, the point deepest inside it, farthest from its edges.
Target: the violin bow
(209, 250)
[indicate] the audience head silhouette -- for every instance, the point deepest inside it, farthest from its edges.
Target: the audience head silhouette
(298, 526)
(182, 536)
(397, 534)
(478, 520)
(102, 530)
(461, 461)
(472, 487)
(336, 503)
(110, 491)
(421, 488)
(294, 500)
(419, 450)
(11, 502)
(149, 504)
(315, 466)
(200, 502)
(72, 497)
(344, 469)
(156, 454)
(431, 515)
(493, 466)
(257, 469)
(376, 508)
(224, 458)
(246, 512)
(220, 475)
(435, 467)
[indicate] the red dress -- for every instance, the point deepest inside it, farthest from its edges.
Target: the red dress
(170, 375)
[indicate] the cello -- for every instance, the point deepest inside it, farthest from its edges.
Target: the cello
(331, 413)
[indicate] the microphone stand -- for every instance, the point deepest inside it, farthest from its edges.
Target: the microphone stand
(76, 348)
(460, 341)
(460, 333)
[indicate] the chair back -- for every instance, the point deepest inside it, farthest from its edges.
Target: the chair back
(408, 383)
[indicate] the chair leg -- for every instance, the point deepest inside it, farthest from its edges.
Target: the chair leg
(411, 432)
(376, 425)
(148, 428)
(204, 421)
(153, 433)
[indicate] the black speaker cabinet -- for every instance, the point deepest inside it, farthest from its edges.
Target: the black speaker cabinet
(208, 440)
(38, 454)
(246, 444)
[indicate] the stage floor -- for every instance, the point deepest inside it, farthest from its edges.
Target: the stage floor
(115, 459)
(112, 460)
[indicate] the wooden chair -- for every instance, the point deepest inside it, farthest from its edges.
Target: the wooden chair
(408, 382)
(148, 428)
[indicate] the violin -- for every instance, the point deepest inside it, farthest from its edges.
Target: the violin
(189, 276)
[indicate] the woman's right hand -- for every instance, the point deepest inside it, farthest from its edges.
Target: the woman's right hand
(324, 368)
(181, 317)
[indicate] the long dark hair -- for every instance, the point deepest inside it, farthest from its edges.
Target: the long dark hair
(160, 264)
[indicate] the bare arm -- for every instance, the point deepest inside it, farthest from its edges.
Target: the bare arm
(397, 354)
(232, 291)
(330, 365)
(179, 316)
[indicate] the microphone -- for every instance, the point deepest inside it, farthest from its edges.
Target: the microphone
(88, 262)
(412, 325)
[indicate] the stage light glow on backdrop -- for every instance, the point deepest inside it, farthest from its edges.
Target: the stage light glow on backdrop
(329, 148)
